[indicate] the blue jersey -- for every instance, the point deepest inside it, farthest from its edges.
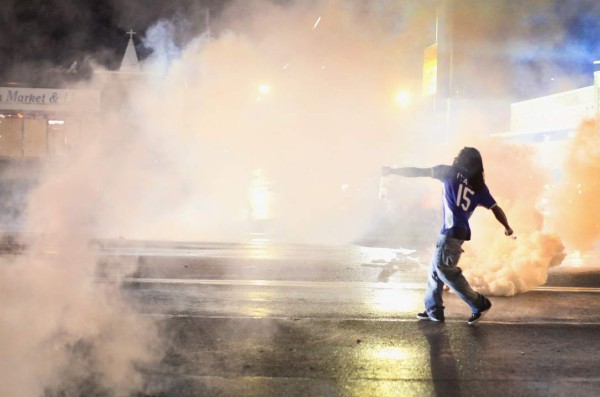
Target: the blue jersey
(460, 200)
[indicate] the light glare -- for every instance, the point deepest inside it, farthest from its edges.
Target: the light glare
(403, 98)
(264, 89)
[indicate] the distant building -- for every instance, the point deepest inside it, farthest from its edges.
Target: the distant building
(40, 122)
(549, 122)
(36, 123)
(552, 117)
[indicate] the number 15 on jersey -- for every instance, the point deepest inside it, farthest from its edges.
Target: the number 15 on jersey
(463, 198)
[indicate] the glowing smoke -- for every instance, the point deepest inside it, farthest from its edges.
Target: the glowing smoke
(176, 154)
(312, 109)
(493, 263)
(573, 203)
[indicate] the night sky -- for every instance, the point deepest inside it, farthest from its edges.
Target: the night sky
(38, 35)
(563, 42)
(557, 40)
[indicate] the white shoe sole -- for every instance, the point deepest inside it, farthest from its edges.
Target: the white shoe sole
(428, 319)
(479, 319)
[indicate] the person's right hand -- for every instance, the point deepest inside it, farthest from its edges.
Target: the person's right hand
(385, 171)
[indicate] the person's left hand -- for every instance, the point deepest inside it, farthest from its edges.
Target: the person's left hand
(510, 233)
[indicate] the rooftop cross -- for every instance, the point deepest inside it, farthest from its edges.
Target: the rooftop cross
(130, 62)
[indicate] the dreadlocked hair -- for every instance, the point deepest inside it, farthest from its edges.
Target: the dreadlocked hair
(469, 160)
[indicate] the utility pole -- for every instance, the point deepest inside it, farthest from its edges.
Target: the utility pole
(444, 39)
(445, 79)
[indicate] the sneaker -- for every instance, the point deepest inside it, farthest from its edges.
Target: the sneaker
(426, 316)
(475, 317)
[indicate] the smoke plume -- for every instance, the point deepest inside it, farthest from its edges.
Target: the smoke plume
(66, 332)
(572, 203)
(278, 125)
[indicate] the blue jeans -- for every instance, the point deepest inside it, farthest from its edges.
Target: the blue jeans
(444, 270)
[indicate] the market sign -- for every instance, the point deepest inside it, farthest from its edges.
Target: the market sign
(41, 99)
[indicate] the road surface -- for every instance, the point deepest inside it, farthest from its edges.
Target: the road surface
(262, 319)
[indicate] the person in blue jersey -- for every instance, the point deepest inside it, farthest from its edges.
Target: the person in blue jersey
(464, 190)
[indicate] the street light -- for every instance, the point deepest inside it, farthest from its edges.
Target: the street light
(402, 98)
(263, 91)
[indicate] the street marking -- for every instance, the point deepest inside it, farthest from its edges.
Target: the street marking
(409, 319)
(568, 289)
(275, 283)
(325, 284)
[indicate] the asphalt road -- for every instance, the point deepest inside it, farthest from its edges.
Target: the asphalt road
(271, 320)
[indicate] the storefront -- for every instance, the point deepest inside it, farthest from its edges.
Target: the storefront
(40, 123)
(36, 125)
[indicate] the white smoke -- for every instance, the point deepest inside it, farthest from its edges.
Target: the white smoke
(66, 332)
(176, 154)
(304, 111)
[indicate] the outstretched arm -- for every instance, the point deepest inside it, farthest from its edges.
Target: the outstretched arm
(407, 171)
(501, 217)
